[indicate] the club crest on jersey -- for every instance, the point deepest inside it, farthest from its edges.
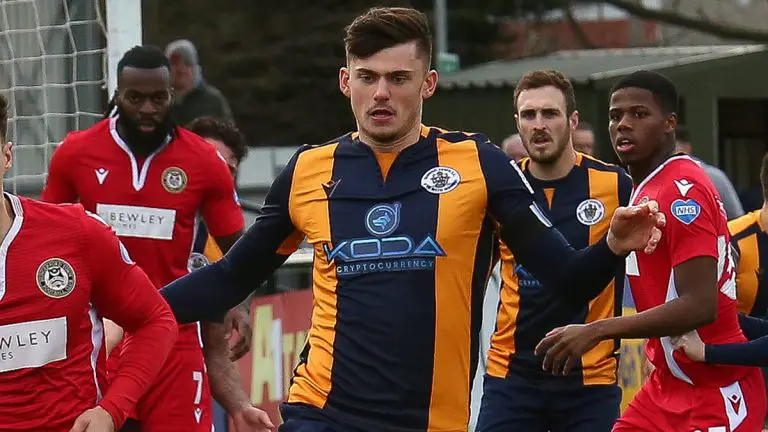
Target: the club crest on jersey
(196, 261)
(56, 278)
(686, 211)
(439, 180)
(590, 211)
(174, 179)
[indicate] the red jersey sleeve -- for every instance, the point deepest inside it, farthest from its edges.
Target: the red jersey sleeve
(221, 209)
(692, 213)
(59, 186)
(123, 293)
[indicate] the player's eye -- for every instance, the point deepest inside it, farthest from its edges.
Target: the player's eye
(549, 113)
(528, 114)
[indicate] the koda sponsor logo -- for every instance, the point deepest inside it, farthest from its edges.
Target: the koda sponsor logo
(383, 252)
(525, 278)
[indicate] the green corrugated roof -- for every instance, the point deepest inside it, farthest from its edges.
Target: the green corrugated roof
(583, 66)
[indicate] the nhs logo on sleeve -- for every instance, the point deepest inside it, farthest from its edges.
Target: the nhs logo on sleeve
(686, 211)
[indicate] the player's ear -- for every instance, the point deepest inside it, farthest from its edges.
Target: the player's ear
(671, 123)
(430, 84)
(344, 80)
(7, 156)
(573, 120)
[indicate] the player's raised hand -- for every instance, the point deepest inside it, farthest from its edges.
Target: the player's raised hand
(94, 420)
(252, 419)
(691, 344)
(564, 346)
(636, 228)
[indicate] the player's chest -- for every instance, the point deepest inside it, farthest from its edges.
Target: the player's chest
(141, 198)
(43, 280)
(415, 201)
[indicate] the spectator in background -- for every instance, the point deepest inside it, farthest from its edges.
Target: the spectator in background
(584, 138)
(723, 185)
(513, 147)
(193, 97)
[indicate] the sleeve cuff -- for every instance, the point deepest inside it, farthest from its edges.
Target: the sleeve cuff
(118, 416)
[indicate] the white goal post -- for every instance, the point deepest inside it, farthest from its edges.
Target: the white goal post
(57, 63)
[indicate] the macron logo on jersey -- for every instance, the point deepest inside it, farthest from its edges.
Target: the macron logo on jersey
(683, 186)
(101, 175)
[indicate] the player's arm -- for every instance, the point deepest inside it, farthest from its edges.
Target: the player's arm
(226, 383)
(206, 294)
(123, 293)
(694, 248)
(59, 185)
(540, 248)
(752, 353)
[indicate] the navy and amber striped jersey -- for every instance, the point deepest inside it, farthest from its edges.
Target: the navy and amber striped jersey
(401, 262)
(751, 243)
(580, 206)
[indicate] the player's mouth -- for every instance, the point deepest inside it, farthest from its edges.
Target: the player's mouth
(540, 140)
(381, 115)
(147, 127)
(624, 144)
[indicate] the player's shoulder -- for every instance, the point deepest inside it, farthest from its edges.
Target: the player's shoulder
(63, 216)
(744, 225)
(593, 163)
(680, 175)
(75, 140)
(456, 136)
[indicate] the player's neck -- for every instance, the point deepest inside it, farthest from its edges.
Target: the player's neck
(6, 216)
(642, 169)
(556, 170)
(396, 146)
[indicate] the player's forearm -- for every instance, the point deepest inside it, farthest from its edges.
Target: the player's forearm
(752, 353)
(578, 274)
(226, 383)
(143, 356)
(753, 327)
(676, 317)
(113, 334)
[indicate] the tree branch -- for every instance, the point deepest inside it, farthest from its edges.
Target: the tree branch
(576, 28)
(722, 30)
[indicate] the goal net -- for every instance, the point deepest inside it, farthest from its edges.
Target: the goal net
(54, 64)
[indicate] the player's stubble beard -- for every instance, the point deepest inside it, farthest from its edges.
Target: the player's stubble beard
(142, 143)
(551, 158)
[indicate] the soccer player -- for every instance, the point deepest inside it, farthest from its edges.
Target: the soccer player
(750, 240)
(686, 285)
(150, 179)
(580, 194)
(61, 271)
(401, 219)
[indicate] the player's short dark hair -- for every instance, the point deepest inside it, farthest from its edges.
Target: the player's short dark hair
(222, 130)
(143, 57)
(3, 118)
(659, 85)
(682, 134)
(385, 27)
(544, 78)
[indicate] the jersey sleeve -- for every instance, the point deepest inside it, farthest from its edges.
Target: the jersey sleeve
(535, 243)
(752, 353)
(206, 294)
(692, 213)
(220, 209)
(59, 185)
(123, 293)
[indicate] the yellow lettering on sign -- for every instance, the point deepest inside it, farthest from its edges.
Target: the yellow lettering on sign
(262, 369)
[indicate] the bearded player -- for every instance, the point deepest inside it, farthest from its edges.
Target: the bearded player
(686, 285)
(61, 270)
(150, 179)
